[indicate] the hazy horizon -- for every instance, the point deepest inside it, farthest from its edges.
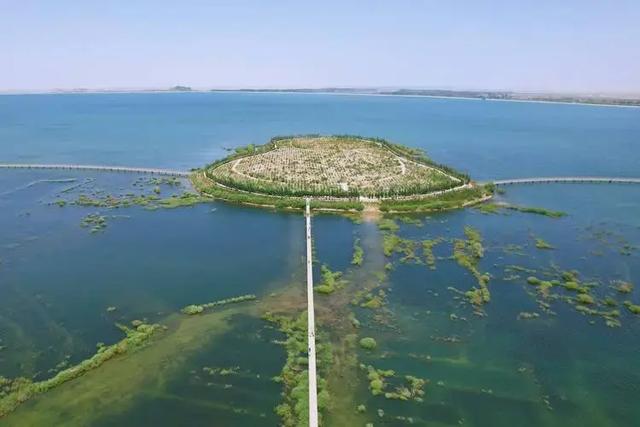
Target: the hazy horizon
(585, 47)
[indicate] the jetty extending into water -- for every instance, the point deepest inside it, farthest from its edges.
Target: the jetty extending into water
(98, 168)
(311, 329)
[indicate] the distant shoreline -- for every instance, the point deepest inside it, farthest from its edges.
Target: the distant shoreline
(634, 103)
(469, 98)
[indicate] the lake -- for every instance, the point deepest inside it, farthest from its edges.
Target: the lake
(531, 356)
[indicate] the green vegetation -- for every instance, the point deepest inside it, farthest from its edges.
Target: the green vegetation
(376, 378)
(211, 189)
(389, 243)
(454, 199)
(371, 300)
(379, 381)
(541, 244)
(467, 254)
(392, 243)
(489, 208)
(387, 224)
(368, 343)
(585, 299)
(336, 171)
(537, 211)
(331, 281)
(193, 309)
(179, 201)
(633, 308)
(358, 253)
(494, 208)
(410, 221)
(624, 287)
(148, 201)
(427, 249)
(19, 390)
(96, 221)
(335, 166)
(578, 294)
(294, 410)
(197, 309)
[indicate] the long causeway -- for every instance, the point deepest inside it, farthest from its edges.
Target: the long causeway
(313, 389)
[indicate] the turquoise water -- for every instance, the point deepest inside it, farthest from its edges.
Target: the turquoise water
(57, 279)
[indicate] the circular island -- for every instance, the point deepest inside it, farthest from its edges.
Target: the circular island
(339, 172)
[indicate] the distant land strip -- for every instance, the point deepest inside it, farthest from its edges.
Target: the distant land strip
(621, 100)
(631, 101)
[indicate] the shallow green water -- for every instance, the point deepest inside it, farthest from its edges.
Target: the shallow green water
(497, 370)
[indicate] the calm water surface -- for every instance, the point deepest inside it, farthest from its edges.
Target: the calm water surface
(57, 279)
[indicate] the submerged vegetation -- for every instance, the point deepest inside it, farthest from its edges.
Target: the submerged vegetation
(343, 333)
(427, 249)
(95, 222)
(379, 381)
(19, 390)
(467, 254)
(494, 208)
(542, 244)
(197, 309)
(358, 253)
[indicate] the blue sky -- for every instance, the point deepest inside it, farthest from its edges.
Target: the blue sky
(588, 45)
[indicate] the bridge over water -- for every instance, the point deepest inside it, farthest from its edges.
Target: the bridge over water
(569, 179)
(123, 169)
(172, 172)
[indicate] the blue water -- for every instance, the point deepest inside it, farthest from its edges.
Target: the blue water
(57, 278)
(184, 130)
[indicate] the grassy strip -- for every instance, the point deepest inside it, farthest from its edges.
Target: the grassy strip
(19, 390)
(494, 208)
(450, 200)
(537, 211)
(294, 410)
(197, 309)
(209, 188)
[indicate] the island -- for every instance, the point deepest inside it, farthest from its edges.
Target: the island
(337, 173)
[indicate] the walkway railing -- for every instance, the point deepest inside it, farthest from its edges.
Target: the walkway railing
(125, 169)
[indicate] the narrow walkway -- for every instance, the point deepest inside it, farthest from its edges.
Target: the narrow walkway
(153, 171)
(313, 389)
(568, 179)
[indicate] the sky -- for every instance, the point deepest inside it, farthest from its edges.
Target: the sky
(590, 46)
